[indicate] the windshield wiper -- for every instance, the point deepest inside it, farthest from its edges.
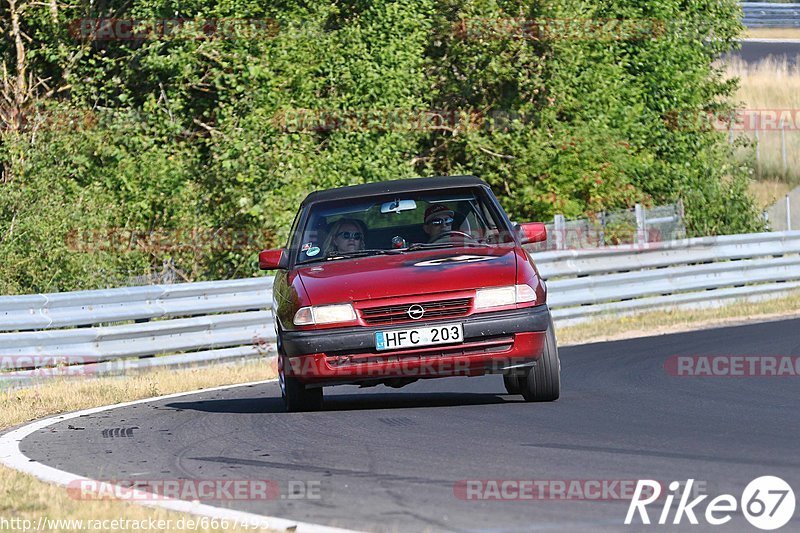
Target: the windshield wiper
(428, 246)
(359, 253)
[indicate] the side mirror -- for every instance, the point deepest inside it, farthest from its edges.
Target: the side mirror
(273, 259)
(532, 232)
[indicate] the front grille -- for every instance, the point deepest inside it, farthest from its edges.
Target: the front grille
(396, 314)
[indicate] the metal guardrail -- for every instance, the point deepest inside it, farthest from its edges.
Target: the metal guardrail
(44, 311)
(703, 272)
(112, 331)
(771, 15)
(209, 322)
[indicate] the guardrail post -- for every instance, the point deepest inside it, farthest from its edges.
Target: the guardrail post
(559, 226)
(602, 239)
(641, 225)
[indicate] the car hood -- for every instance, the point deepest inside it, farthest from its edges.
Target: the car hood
(421, 272)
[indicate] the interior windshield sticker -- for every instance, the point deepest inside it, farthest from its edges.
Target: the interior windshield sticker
(306, 246)
(458, 259)
(311, 252)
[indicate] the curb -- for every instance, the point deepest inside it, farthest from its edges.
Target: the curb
(12, 457)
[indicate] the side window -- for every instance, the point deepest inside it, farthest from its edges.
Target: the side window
(294, 229)
(491, 233)
(471, 225)
(309, 242)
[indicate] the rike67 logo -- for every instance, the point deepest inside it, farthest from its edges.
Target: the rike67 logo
(768, 503)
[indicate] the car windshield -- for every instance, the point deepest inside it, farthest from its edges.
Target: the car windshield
(399, 223)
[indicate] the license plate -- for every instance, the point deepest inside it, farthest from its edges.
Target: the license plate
(412, 338)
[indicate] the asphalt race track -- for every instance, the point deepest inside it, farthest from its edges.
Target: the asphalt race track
(388, 460)
(754, 51)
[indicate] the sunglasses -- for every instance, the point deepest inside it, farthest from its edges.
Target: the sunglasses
(439, 221)
(355, 235)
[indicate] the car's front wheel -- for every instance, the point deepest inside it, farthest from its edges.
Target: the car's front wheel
(543, 383)
(295, 396)
(513, 379)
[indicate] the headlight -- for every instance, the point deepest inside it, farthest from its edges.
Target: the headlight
(503, 296)
(525, 294)
(324, 314)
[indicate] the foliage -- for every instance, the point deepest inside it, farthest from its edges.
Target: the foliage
(195, 132)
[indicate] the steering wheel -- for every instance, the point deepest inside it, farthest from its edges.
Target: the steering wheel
(450, 233)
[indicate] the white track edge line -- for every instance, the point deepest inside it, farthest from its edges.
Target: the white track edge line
(12, 457)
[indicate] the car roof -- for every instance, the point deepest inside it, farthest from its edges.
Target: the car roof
(394, 186)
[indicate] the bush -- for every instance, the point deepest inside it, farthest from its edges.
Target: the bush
(194, 134)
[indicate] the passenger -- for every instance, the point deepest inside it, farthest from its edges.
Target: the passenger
(438, 221)
(346, 235)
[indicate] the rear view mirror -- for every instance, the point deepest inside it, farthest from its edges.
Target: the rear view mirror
(272, 259)
(396, 206)
(532, 232)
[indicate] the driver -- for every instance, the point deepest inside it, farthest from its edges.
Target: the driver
(438, 221)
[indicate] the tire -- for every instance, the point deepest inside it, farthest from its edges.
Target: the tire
(512, 381)
(543, 383)
(296, 398)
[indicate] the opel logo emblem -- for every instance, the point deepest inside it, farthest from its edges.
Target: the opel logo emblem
(415, 312)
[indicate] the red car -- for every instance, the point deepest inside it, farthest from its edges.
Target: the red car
(388, 283)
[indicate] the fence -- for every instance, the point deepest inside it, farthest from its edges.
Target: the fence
(639, 225)
(117, 330)
(776, 147)
(771, 15)
(784, 215)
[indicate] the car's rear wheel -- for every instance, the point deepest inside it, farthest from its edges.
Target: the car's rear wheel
(543, 383)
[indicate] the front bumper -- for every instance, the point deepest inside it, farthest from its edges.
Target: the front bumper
(493, 342)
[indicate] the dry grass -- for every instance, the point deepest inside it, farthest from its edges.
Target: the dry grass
(771, 85)
(23, 496)
(26, 498)
(767, 84)
(73, 394)
(767, 192)
(661, 322)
